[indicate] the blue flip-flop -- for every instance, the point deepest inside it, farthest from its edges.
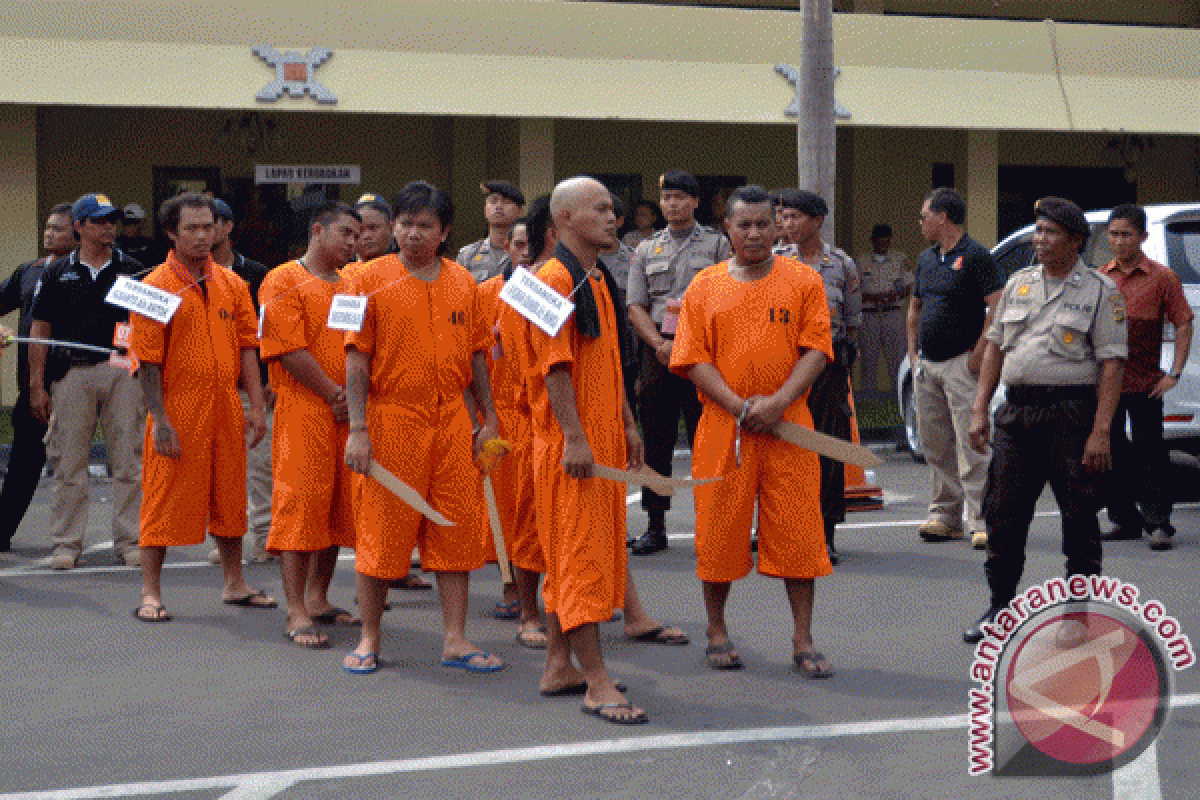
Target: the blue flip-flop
(464, 662)
(363, 668)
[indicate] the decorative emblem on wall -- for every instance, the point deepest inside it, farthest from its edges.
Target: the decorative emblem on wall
(790, 74)
(294, 74)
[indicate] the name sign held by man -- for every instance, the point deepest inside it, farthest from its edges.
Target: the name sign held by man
(149, 301)
(536, 302)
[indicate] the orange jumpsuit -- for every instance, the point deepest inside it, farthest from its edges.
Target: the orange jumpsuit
(512, 479)
(199, 351)
(753, 333)
(311, 501)
(420, 337)
(581, 523)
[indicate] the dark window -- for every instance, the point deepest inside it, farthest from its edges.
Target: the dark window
(1016, 256)
(1183, 250)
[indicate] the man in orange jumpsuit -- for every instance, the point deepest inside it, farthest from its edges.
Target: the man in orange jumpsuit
(753, 336)
(311, 515)
(419, 349)
(194, 469)
(580, 418)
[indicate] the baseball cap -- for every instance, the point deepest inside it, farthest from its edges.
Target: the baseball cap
(680, 181)
(504, 189)
(94, 206)
(134, 213)
(374, 201)
(223, 209)
(1064, 213)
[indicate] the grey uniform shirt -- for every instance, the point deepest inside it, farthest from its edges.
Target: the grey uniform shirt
(663, 267)
(618, 262)
(1056, 333)
(885, 274)
(843, 290)
(482, 260)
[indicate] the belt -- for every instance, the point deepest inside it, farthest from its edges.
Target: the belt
(1048, 395)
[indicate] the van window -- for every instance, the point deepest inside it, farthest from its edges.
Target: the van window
(1017, 256)
(1183, 249)
(1097, 253)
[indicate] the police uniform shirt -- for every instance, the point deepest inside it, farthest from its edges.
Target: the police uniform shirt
(843, 290)
(884, 274)
(663, 267)
(1057, 333)
(72, 301)
(483, 260)
(618, 262)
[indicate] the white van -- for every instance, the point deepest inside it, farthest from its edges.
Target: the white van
(1174, 240)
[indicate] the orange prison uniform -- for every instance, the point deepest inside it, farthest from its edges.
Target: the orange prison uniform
(199, 351)
(581, 523)
(419, 337)
(753, 333)
(512, 479)
(311, 501)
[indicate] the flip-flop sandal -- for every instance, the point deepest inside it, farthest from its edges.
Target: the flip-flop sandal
(333, 616)
(412, 583)
(362, 668)
(160, 614)
(661, 635)
(533, 638)
(248, 600)
(713, 652)
(576, 690)
(321, 640)
(599, 712)
(809, 664)
(464, 662)
(507, 610)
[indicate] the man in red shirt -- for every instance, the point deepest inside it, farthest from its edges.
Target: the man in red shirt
(1153, 295)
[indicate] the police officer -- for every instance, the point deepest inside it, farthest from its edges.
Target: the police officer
(28, 453)
(375, 240)
(70, 306)
(488, 257)
(663, 267)
(803, 213)
(1059, 344)
(617, 262)
(886, 283)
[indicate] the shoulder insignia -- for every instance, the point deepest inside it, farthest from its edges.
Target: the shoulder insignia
(658, 250)
(1024, 290)
(477, 257)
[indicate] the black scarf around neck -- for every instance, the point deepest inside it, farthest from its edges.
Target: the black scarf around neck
(587, 313)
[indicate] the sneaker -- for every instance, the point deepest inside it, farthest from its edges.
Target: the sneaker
(979, 540)
(1160, 539)
(62, 559)
(131, 558)
(935, 530)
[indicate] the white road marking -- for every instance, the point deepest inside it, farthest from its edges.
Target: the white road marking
(491, 758)
(259, 789)
(1139, 779)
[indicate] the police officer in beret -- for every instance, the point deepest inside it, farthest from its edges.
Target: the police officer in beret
(803, 213)
(663, 266)
(1058, 342)
(487, 258)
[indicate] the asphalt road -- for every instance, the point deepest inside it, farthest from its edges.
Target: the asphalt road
(217, 705)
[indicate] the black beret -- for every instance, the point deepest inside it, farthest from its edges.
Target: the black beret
(880, 231)
(680, 181)
(504, 189)
(805, 202)
(1063, 213)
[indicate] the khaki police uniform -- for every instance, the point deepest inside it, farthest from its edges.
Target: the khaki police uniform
(617, 263)
(1053, 336)
(883, 330)
(829, 397)
(661, 270)
(483, 260)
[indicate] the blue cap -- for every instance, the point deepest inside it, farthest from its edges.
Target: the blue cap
(223, 209)
(93, 206)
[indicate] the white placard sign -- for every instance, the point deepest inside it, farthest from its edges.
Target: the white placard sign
(347, 313)
(149, 301)
(536, 302)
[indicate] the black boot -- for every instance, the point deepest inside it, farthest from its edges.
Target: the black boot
(975, 634)
(830, 528)
(655, 537)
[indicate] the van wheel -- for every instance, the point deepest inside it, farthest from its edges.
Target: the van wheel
(909, 413)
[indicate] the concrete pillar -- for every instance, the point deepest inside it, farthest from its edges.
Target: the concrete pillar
(535, 162)
(18, 213)
(983, 193)
(467, 172)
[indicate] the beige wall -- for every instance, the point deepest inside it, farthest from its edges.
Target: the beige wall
(19, 216)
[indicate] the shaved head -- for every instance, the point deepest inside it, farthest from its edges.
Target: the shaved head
(582, 209)
(568, 194)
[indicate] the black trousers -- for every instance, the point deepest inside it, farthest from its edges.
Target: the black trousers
(829, 403)
(664, 396)
(1036, 440)
(1139, 466)
(25, 462)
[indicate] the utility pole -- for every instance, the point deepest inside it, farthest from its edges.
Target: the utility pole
(816, 129)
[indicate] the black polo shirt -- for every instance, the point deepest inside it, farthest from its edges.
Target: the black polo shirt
(252, 272)
(17, 292)
(73, 303)
(952, 287)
